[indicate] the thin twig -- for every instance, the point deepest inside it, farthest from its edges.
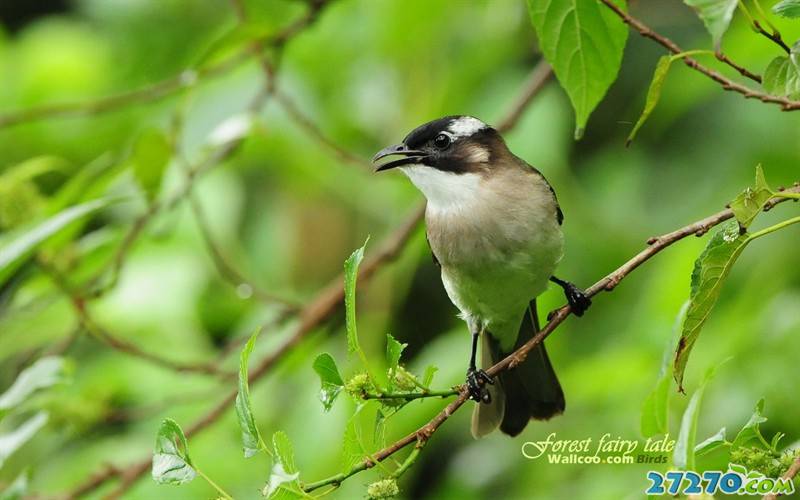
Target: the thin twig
(539, 76)
(785, 103)
(790, 474)
(741, 69)
(227, 270)
(775, 36)
(314, 131)
(607, 283)
(317, 312)
(164, 88)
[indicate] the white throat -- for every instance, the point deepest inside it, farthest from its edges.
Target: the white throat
(445, 191)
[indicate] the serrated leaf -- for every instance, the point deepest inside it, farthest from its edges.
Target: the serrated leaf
(715, 14)
(280, 483)
(751, 429)
(22, 242)
(583, 41)
(752, 200)
(352, 452)
(284, 451)
(653, 95)
(150, 157)
(684, 454)
(787, 8)
(352, 442)
(251, 437)
(331, 380)
(710, 271)
(12, 441)
(394, 350)
(379, 434)
(654, 408)
(427, 377)
(45, 372)
(782, 78)
(171, 461)
(711, 444)
(350, 278)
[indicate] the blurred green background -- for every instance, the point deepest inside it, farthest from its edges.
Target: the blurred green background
(287, 210)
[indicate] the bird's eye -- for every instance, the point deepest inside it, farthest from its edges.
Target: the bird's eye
(441, 141)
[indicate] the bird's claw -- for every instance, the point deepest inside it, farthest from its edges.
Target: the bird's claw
(579, 302)
(476, 384)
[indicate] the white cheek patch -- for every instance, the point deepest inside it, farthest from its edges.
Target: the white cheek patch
(444, 190)
(466, 126)
(477, 154)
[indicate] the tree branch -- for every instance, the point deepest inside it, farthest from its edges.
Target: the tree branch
(162, 89)
(317, 312)
(786, 104)
(608, 283)
(790, 474)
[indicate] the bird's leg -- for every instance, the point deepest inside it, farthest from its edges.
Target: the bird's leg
(477, 378)
(577, 298)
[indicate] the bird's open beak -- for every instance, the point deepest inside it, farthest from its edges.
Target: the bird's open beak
(411, 156)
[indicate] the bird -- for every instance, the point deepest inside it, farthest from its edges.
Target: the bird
(494, 227)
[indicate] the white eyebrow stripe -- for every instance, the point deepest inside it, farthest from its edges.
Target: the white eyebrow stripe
(466, 126)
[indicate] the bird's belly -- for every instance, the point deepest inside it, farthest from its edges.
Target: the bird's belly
(495, 288)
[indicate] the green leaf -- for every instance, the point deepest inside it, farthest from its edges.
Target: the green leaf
(710, 271)
(11, 442)
(716, 15)
(171, 462)
(394, 350)
(331, 380)
(776, 439)
(711, 444)
(45, 372)
(427, 377)
(583, 40)
(17, 246)
(150, 157)
(284, 452)
(283, 481)
(654, 409)
(653, 95)
(787, 8)
(251, 438)
(782, 78)
(751, 429)
(282, 484)
(352, 451)
(350, 278)
(684, 453)
(752, 200)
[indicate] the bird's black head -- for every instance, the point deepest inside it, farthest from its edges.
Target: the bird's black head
(457, 144)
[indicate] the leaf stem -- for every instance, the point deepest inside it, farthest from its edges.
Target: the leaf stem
(410, 395)
(780, 225)
(409, 461)
(791, 196)
(214, 485)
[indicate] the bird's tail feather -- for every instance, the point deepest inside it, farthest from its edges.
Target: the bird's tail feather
(529, 390)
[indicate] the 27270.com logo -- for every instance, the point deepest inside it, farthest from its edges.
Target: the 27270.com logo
(736, 481)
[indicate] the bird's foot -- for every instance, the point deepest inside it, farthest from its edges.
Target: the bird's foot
(476, 383)
(579, 302)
